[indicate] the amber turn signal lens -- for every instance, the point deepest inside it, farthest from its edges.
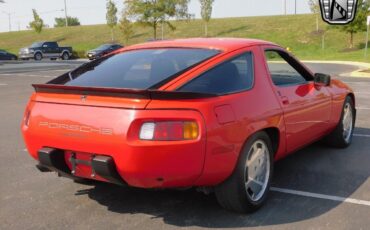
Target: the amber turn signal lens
(191, 130)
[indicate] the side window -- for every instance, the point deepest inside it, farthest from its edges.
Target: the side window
(53, 45)
(282, 70)
(232, 76)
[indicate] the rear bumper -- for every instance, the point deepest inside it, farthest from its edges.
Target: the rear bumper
(52, 159)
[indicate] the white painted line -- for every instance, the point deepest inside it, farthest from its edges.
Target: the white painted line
(363, 108)
(362, 92)
(25, 150)
(361, 135)
(357, 82)
(321, 196)
(3, 84)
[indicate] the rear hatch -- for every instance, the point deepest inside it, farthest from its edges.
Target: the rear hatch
(106, 122)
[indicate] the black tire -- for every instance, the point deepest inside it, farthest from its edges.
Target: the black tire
(38, 56)
(232, 193)
(338, 137)
(65, 56)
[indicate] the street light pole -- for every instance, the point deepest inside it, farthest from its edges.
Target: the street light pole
(65, 11)
(284, 6)
(10, 19)
(295, 6)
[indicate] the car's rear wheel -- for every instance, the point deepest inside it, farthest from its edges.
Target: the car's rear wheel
(65, 56)
(247, 188)
(341, 137)
(38, 56)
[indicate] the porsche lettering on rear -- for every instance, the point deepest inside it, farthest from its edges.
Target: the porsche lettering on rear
(76, 128)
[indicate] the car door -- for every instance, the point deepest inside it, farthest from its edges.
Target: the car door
(306, 106)
(53, 49)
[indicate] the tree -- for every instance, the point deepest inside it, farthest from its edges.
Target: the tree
(315, 9)
(359, 23)
(152, 12)
(126, 27)
(206, 13)
(37, 24)
(111, 16)
(61, 22)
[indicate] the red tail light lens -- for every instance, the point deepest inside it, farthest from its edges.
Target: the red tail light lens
(169, 131)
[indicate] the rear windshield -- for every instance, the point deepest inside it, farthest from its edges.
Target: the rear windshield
(138, 69)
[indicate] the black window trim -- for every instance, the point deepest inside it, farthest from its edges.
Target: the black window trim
(306, 75)
(223, 62)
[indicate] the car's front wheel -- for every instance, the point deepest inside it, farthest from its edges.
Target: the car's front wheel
(246, 189)
(38, 56)
(342, 135)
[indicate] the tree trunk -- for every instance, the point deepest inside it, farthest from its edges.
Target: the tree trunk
(206, 29)
(351, 40)
(112, 34)
(317, 22)
(155, 31)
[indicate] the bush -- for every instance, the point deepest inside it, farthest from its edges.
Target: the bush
(79, 54)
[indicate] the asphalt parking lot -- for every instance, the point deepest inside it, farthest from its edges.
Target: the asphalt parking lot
(316, 188)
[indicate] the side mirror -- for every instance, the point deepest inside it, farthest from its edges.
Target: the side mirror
(322, 79)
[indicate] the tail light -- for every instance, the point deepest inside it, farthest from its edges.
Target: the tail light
(169, 131)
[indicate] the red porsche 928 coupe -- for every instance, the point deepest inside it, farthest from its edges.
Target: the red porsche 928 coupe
(208, 113)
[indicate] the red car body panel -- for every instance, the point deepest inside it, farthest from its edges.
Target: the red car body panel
(104, 125)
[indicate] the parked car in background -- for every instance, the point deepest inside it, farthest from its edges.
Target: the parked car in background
(5, 55)
(102, 50)
(209, 113)
(46, 49)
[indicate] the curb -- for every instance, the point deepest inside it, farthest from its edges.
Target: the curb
(363, 71)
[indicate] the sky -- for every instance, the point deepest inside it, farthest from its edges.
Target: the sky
(92, 12)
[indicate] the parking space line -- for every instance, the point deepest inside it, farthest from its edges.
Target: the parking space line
(321, 196)
(3, 84)
(362, 92)
(357, 82)
(361, 135)
(363, 108)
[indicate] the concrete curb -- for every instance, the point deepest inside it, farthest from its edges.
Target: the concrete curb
(363, 71)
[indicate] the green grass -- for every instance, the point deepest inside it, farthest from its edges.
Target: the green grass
(293, 31)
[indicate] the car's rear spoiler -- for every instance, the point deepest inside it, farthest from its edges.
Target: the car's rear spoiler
(117, 92)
